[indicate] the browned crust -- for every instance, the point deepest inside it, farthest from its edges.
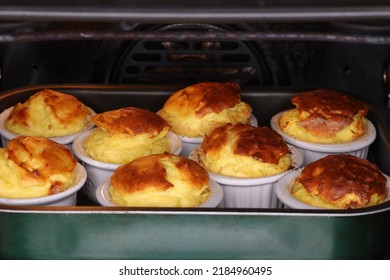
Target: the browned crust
(330, 110)
(40, 158)
(206, 97)
(148, 172)
(260, 143)
(66, 108)
(131, 121)
(334, 176)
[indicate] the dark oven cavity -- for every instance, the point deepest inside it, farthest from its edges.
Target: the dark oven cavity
(350, 57)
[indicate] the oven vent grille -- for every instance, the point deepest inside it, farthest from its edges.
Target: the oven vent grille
(186, 62)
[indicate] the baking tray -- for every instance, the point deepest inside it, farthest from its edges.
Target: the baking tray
(88, 231)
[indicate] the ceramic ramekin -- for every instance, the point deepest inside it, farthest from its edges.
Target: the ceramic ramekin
(313, 151)
(67, 197)
(251, 192)
(99, 171)
(215, 198)
(283, 191)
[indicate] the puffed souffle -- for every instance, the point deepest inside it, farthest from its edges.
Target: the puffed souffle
(125, 134)
(341, 181)
(163, 180)
(245, 151)
(325, 116)
(197, 109)
(48, 113)
(33, 167)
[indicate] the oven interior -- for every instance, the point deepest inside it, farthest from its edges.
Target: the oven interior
(137, 54)
(200, 52)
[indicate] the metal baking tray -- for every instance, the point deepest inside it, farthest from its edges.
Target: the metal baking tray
(88, 231)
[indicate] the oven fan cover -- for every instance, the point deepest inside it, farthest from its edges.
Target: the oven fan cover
(189, 61)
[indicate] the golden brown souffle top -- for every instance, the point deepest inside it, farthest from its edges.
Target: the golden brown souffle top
(336, 108)
(130, 121)
(335, 176)
(147, 172)
(40, 158)
(206, 97)
(48, 113)
(260, 143)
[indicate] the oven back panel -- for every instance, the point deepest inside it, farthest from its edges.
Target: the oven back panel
(350, 57)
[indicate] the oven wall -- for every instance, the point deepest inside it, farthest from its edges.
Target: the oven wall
(356, 68)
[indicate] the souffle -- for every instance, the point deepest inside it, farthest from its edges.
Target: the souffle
(34, 167)
(340, 182)
(325, 116)
(197, 109)
(245, 151)
(48, 113)
(163, 180)
(125, 134)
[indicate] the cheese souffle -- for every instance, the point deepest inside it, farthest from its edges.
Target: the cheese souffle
(32, 167)
(325, 116)
(341, 182)
(48, 113)
(163, 180)
(245, 151)
(125, 134)
(197, 109)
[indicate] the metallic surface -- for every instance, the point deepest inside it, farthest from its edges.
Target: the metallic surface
(199, 11)
(107, 234)
(196, 35)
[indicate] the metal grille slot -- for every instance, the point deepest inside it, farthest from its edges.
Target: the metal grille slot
(179, 62)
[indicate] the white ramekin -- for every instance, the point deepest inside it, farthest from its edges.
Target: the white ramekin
(313, 151)
(191, 143)
(67, 140)
(104, 199)
(67, 197)
(251, 192)
(99, 171)
(283, 191)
